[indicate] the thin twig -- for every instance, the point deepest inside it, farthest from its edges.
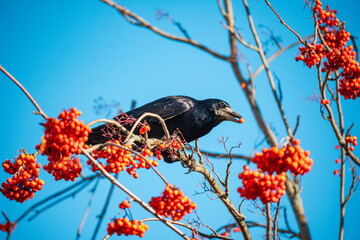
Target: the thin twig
(57, 194)
(93, 190)
(40, 111)
(277, 54)
(268, 221)
(331, 118)
(284, 231)
(220, 155)
(353, 182)
(162, 122)
(103, 211)
(266, 66)
(215, 235)
(138, 21)
(287, 26)
(342, 195)
(57, 201)
(132, 195)
(275, 220)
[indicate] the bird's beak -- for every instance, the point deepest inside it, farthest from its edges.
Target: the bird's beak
(229, 115)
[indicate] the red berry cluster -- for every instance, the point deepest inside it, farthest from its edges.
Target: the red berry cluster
(336, 38)
(63, 137)
(263, 183)
(172, 203)
(67, 168)
(119, 160)
(228, 230)
(311, 56)
(236, 229)
(7, 227)
(127, 227)
(24, 182)
(291, 157)
(352, 140)
(144, 129)
(124, 204)
(269, 188)
(324, 102)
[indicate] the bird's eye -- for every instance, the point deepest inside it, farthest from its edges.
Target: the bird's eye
(222, 105)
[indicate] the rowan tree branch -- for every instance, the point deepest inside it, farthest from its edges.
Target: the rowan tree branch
(103, 211)
(138, 21)
(194, 230)
(287, 26)
(266, 66)
(268, 221)
(239, 218)
(82, 223)
(133, 196)
(40, 111)
(162, 122)
(277, 54)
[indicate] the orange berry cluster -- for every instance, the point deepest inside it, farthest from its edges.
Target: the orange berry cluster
(336, 38)
(172, 203)
(291, 157)
(124, 204)
(310, 56)
(24, 182)
(119, 160)
(6, 227)
(127, 227)
(236, 229)
(352, 140)
(265, 185)
(63, 137)
(324, 102)
(269, 188)
(144, 129)
(169, 146)
(67, 168)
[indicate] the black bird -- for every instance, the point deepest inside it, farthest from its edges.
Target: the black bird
(191, 117)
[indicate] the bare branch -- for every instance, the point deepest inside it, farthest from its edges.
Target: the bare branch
(132, 195)
(268, 221)
(287, 26)
(331, 118)
(266, 66)
(103, 211)
(233, 156)
(57, 194)
(138, 21)
(277, 54)
(162, 122)
(40, 111)
(93, 190)
(275, 220)
(210, 236)
(353, 182)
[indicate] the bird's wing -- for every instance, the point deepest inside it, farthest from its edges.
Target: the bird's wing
(166, 108)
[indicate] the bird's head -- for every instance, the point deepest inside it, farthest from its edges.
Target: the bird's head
(223, 111)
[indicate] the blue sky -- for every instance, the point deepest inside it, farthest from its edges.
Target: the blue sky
(69, 53)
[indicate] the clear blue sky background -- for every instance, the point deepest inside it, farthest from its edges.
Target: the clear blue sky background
(68, 53)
